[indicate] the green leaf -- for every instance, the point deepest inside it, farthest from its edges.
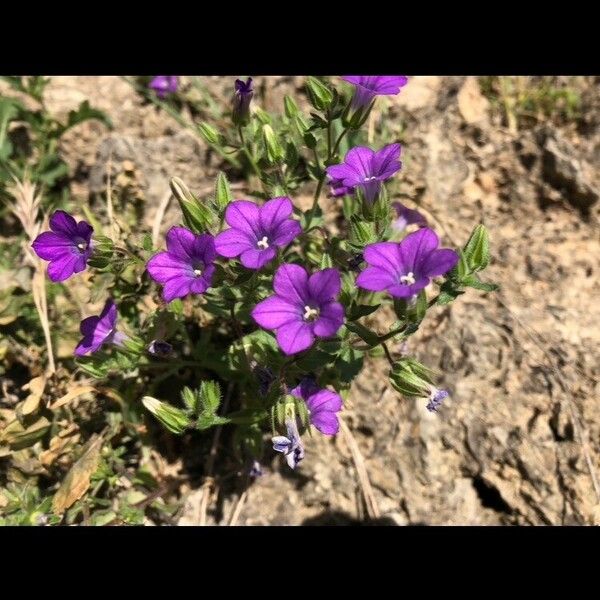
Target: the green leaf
(361, 232)
(84, 113)
(223, 194)
(247, 416)
(473, 282)
(363, 332)
(349, 364)
(358, 311)
(210, 397)
(477, 250)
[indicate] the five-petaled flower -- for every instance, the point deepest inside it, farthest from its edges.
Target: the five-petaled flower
(403, 269)
(369, 86)
(187, 266)
(364, 168)
(99, 330)
(291, 446)
(164, 85)
(407, 216)
(68, 246)
(241, 101)
(256, 232)
(322, 405)
(302, 307)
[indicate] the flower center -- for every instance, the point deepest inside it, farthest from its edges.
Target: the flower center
(81, 244)
(310, 313)
(408, 279)
(198, 266)
(264, 243)
(371, 178)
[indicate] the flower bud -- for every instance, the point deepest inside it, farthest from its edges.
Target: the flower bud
(240, 114)
(174, 419)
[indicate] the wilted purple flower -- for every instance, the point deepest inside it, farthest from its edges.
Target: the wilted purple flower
(403, 269)
(256, 232)
(364, 168)
(255, 470)
(407, 216)
(436, 398)
(241, 101)
(187, 265)
(291, 446)
(68, 246)
(164, 85)
(99, 330)
(369, 86)
(322, 405)
(302, 307)
(160, 348)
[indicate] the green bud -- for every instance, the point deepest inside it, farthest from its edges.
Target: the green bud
(174, 419)
(319, 94)
(103, 252)
(197, 216)
(412, 311)
(273, 147)
(410, 378)
(290, 106)
(209, 133)
(361, 232)
(222, 191)
(477, 250)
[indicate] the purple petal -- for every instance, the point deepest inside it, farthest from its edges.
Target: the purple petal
(88, 325)
(324, 400)
(273, 312)
(439, 262)
(255, 258)
(233, 242)
(326, 422)
(204, 248)
(407, 216)
(415, 247)
(50, 246)
(359, 158)
(274, 212)
(291, 283)
(330, 320)
(109, 313)
(62, 222)
(199, 285)
(305, 389)
(245, 216)
(344, 175)
(65, 265)
(85, 230)
(385, 162)
(177, 287)
(375, 279)
(180, 242)
(294, 337)
(324, 285)
(402, 290)
(286, 232)
(164, 266)
(281, 443)
(384, 255)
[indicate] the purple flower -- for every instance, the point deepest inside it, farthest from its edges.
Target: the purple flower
(436, 398)
(99, 330)
(164, 85)
(302, 307)
(322, 405)
(160, 348)
(404, 269)
(68, 246)
(256, 232)
(241, 101)
(187, 265)
(255, 470)
(369, 86)
(407, 216)
(291, 446)
(364, 168)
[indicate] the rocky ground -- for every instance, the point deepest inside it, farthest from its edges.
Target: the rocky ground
(519, 441)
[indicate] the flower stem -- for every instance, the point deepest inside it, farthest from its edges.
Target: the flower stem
(388, 354)
(247, 153)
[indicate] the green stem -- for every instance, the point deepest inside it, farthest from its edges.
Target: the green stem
(338, 141)
(388, 354)
(247, 153)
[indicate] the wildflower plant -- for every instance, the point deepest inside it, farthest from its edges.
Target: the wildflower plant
(260, 313)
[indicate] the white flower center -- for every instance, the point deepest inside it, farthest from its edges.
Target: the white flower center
(310, 313)
(197, 272)
(81, 245)
(371, 178)
(408, 279)
(264, 243)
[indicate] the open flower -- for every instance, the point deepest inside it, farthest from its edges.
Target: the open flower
(291, 446)
(256, 232)
(403, 269)
(68, 246)
(407, 216)
(364, 168)
(241, 101)
(436, 397)
(302, 307)
(369, 86)
(187, 265)
(323, 405)
(99, 330)
(164, 85)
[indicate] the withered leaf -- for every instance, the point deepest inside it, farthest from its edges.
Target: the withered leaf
(77, 481)
(74, 393)
(36, 390)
